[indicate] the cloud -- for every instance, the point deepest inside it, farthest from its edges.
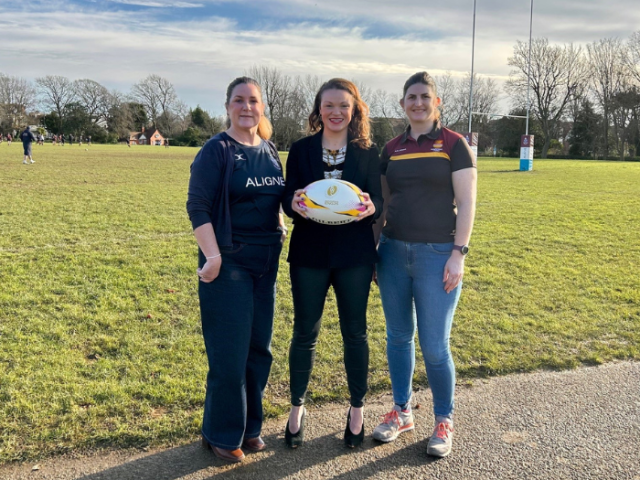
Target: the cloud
(159, 4)
(201, 49)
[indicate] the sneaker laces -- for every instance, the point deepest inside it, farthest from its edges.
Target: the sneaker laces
(391, 418)
(442, 430)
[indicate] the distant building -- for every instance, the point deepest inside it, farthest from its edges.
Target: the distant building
(151, 136)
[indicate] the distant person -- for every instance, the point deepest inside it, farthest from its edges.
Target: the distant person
(166, 143)
(0, 139)
(71, 139)
(234, 198)
(27, 138)
(89, 140)
(54, 139)
(9, 139)
(41, 139)
(128, 142)
(429, 184)
(62, 139)
(338, 256)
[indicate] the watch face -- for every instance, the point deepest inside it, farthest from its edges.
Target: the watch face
(464, 250)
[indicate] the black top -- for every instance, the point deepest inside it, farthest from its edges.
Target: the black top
(255, 193)
(315, 245)
(209, 199)
(422, 206)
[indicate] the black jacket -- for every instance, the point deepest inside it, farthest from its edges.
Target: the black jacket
(315, 245)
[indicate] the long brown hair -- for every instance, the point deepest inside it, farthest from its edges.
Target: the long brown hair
(265, 130)
(359, 127)
(426, 79)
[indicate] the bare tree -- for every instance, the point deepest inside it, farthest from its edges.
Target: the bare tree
(56, 94)
(366, 93)
(158, 96)
(451, 110)
(607, 74)
(625, 111)
(557, 74)
(93, 97)
(309, 87)
(633, 56)
(17, 96)
(284, 99)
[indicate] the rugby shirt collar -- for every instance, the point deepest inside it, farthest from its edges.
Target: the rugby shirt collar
(432, 135)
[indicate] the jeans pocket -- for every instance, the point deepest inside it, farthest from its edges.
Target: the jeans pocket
(442, 248)
(230, 250)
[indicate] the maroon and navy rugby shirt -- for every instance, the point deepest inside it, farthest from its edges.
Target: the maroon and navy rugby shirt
(422, 207)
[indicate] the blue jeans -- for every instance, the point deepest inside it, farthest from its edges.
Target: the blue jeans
(237, 324)
(412, 293)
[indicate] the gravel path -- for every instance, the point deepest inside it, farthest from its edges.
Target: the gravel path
(580, 424)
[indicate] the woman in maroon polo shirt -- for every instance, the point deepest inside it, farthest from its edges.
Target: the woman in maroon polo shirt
(429, 189)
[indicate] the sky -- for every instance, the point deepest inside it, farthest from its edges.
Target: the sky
(201, 45)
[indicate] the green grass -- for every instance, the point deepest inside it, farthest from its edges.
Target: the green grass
(100, 341)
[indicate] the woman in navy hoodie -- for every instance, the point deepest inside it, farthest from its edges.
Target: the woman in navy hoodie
(235, 191)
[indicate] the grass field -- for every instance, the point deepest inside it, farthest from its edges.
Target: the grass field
(100, 340)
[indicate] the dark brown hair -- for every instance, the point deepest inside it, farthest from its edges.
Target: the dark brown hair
(265, 130)
(425, 79)
(359, 127)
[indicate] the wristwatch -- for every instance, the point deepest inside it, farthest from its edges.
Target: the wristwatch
(463, 249)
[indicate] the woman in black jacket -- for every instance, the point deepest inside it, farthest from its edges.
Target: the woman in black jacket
(341, 256)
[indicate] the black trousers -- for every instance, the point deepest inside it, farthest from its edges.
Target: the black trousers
(309, 287)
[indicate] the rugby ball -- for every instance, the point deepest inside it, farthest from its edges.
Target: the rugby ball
(332, 202)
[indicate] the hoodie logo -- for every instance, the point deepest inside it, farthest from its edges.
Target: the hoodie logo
(239, 156)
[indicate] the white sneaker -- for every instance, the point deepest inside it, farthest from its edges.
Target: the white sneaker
(393, 424)
(441, 439)
(33, 161)
(24, 161)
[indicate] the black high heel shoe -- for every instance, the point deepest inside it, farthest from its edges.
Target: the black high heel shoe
(351, 439)
(294, 440)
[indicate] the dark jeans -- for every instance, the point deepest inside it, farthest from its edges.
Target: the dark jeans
(309, 287)
(237, 323)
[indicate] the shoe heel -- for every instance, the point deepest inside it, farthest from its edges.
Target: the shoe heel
(294, 440)
(352, 440)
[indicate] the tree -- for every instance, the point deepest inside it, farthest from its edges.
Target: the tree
(386, 115)
(607, 74)
(56, 94)
(625, 110)
(76, 119)
(557, 74)
(633, 56)
(158, 97)
(507, 131)
(286, 103)
(586, 135)
(93, 97)
(452, 110)
(17, 97)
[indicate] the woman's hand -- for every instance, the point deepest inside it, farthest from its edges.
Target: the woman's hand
(368, 204)
(295, 204)
(210, 270)
(453, 271)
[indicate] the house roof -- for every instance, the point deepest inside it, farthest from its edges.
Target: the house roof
(148, 133)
